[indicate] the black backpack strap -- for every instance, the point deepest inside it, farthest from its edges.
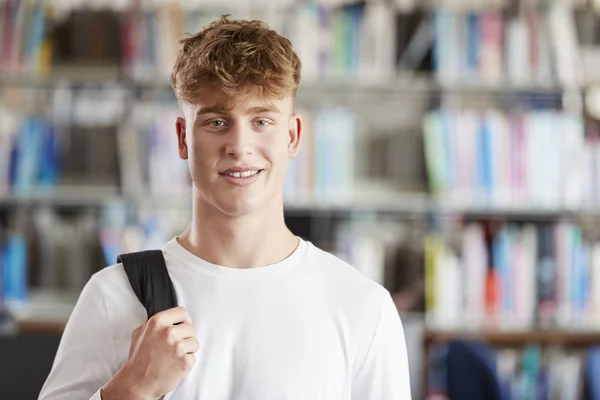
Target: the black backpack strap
(149, 279)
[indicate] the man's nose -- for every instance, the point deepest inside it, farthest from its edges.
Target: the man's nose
(240, 142)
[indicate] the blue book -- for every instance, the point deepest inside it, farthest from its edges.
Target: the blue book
(30, 145)
(49, 158)
(584, 278)
(15, 269)
(440, 18)
(485, 183)
(473, 43)
(2, 269)
(354, 14)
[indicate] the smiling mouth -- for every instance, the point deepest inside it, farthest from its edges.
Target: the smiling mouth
(245, 174)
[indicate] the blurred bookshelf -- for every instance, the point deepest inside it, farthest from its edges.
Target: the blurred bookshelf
(451, 153)
(517, 338)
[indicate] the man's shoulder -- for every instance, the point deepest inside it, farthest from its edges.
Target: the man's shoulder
(111, 276)
(114, 285)
(348, 293)
(340, 275)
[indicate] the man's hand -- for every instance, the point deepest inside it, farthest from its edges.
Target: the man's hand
(160, 357)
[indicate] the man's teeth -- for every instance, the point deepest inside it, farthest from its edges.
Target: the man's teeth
(244, 174)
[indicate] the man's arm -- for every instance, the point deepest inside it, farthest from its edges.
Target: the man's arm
(384, 373)
(85, 357)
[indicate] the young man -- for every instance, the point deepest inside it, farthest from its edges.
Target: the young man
(263, 315)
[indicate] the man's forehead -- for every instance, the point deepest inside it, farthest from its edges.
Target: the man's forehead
(244, 101)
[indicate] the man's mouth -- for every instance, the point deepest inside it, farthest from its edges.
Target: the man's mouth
(244, 174)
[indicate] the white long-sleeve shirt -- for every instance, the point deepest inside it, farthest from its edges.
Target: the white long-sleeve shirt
(308, 328)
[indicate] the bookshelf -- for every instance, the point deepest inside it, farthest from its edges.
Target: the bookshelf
(547, 337)
(46, 312)
(93, 196)
(403, 83)
(418, 204)
(448, 59)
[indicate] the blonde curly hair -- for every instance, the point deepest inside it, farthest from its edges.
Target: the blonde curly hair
(234, 57)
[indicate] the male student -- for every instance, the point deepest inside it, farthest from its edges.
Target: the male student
(263, 314)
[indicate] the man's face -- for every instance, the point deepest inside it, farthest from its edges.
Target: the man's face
(238, 150)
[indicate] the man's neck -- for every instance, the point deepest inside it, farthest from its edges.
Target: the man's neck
(249, 241)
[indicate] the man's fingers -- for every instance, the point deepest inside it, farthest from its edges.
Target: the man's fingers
(188, 346)
(177, 315)
(177, 333)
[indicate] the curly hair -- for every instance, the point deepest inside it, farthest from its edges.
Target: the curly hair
(234, 57)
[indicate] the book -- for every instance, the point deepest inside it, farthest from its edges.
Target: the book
(514, 276)
(510, 159)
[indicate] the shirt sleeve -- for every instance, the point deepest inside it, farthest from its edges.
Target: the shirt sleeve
(84, 359)
(384, 374)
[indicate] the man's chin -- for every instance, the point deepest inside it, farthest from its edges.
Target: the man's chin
(238, 209)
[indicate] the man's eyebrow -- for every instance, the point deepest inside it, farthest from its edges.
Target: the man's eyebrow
(263, 109)
(212, 110)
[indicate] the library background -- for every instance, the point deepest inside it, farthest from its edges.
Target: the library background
(452, 154)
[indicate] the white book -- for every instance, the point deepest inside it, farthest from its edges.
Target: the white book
(573, 145)
(543, 73)
(8, 132)
(588, 175)
(531, 152)
(470, 133)
(466, 129)
(563, 248)
(475, 262)
(406, 5)
(448, 57)
(344, 137)
(553, 159)
(563, 36)
(435, 152)
(449, 290)
(377, 42)
(369, 257)
(530, 246)
(520, 283)
(306, 41)
(517, 53)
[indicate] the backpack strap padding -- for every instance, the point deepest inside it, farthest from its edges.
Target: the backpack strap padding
(149, 279)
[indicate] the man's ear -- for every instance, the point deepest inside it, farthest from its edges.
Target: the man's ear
(181, 138)
(295, 134)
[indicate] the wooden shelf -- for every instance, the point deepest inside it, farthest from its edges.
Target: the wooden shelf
(517, 338)
(46, 312)
(40, 327)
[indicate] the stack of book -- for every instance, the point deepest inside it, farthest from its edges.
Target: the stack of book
(325, 164)
(536, 158)
(512, 276)
(493, 47)
(28, 154)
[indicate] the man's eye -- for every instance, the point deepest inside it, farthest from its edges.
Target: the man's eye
(217, 123)
(262, 122)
